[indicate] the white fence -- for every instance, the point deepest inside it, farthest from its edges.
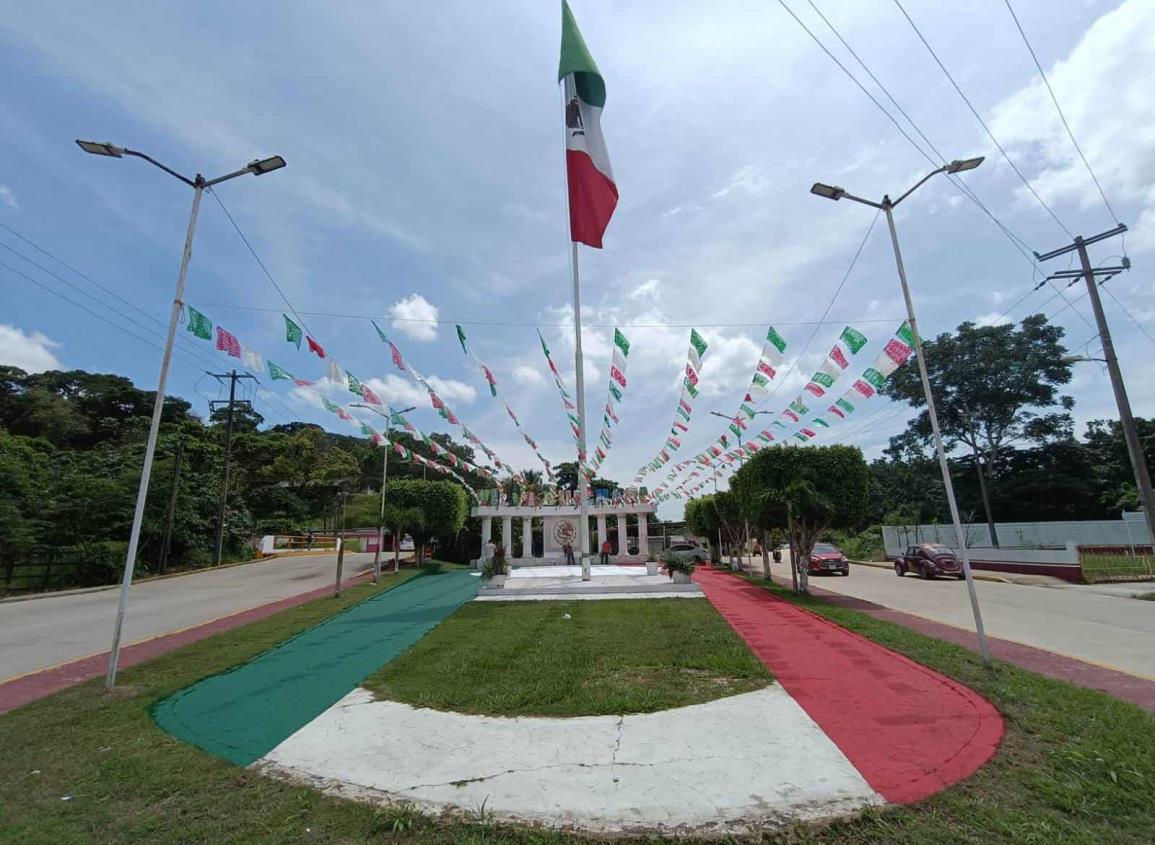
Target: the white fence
(1131, 530)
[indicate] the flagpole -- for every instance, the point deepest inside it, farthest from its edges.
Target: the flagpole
(583, 482)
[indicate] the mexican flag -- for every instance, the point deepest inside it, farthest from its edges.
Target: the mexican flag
(592, 192)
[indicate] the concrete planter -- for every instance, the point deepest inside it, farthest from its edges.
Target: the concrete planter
(495, 581)
(680, 577)
(651, 567)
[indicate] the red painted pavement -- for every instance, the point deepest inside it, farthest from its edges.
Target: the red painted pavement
(27, 688)
(909, 731)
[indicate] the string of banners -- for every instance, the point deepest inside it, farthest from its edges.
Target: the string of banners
(684, 410)
(895, 353)
(438, 404)
(617, 388)
(492, 381)
(765, 370)
(575, 423)
(202, 327)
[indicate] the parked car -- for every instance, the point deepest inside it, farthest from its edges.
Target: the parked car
(827, 559)
(406, 543)
(693, 551)
(929, 560)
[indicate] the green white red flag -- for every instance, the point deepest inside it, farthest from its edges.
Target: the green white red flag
(593, 195)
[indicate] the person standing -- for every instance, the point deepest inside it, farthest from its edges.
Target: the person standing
(568, 549)
(606, 549)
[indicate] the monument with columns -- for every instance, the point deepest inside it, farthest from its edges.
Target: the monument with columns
(558, 524)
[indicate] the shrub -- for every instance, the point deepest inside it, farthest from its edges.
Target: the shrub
(676, 562)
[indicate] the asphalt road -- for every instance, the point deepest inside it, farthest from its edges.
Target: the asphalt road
(1106, 628)
(42, 632)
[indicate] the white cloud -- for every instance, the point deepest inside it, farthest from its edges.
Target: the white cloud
(994, 318)
(650, 289)
(526, 374)
(30, 352)
(415, 316)
(452, 390)
(1103, 88)
(8, 197)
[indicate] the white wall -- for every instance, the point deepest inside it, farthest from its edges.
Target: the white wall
(1131, 530)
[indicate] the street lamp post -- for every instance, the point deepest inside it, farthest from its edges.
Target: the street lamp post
(384, 478)
(887, 206)
(198, 184)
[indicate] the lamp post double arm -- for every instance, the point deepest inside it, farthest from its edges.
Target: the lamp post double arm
(198, 184)
(887, 206)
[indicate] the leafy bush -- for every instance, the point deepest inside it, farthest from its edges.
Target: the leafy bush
(676, 562)
(865, 545)
(496, 564)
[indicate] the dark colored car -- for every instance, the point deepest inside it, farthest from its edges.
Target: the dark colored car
(929, 560)
(826, 559)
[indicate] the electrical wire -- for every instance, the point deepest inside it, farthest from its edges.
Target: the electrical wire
(508, 324)
(982, 122)
(1059, 109)
(1018, 243)
(1131, 316)
(257, 258)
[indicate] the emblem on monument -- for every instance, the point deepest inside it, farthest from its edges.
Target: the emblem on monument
(565, 531)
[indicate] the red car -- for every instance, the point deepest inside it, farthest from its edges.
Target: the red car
(826, 559)
(929, 560)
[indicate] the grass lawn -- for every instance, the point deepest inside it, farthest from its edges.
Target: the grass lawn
(1076, 766)
(1103, 567)
(528, 658)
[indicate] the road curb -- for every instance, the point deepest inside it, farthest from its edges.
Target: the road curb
(978, 576)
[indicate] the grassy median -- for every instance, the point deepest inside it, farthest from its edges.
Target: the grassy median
(573, 658)
(83, 767)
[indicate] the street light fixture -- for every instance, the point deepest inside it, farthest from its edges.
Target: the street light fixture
(198, 184)
(261, 166)
(887, 205)
(1080, 359)
(98, 148)
(384, 477)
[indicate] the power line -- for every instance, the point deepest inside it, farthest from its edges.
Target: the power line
(514, 324)
(1131, 316)
(1059, 109)
(982, 122)
(257, 258)
(190, 354)
(1018, 243)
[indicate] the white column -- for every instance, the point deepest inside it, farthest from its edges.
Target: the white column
(603, 533)
(623, 536)
(526, 537)
(486, 529)
(507, 536)
(643, 535)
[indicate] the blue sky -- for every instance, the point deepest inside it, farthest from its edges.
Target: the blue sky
(425, 182)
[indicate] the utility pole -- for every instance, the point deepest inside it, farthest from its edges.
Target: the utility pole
(1126, 419)
(170, 514)
(232, 403)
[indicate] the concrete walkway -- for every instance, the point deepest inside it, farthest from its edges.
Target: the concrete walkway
(747, 760)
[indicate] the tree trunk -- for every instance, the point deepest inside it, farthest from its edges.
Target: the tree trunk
(765, 557)
(986, 500)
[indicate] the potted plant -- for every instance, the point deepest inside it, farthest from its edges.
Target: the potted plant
(651, 564)
(494, 572)
(678, 566)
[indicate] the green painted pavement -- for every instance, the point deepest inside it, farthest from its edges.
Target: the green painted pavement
(247, 711)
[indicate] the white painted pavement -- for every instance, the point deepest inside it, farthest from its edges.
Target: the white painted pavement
(749, 759)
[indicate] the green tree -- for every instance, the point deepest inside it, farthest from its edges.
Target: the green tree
(442, 505)
(399, 521)
(992, 386)
(809, 490)
(701, 517)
